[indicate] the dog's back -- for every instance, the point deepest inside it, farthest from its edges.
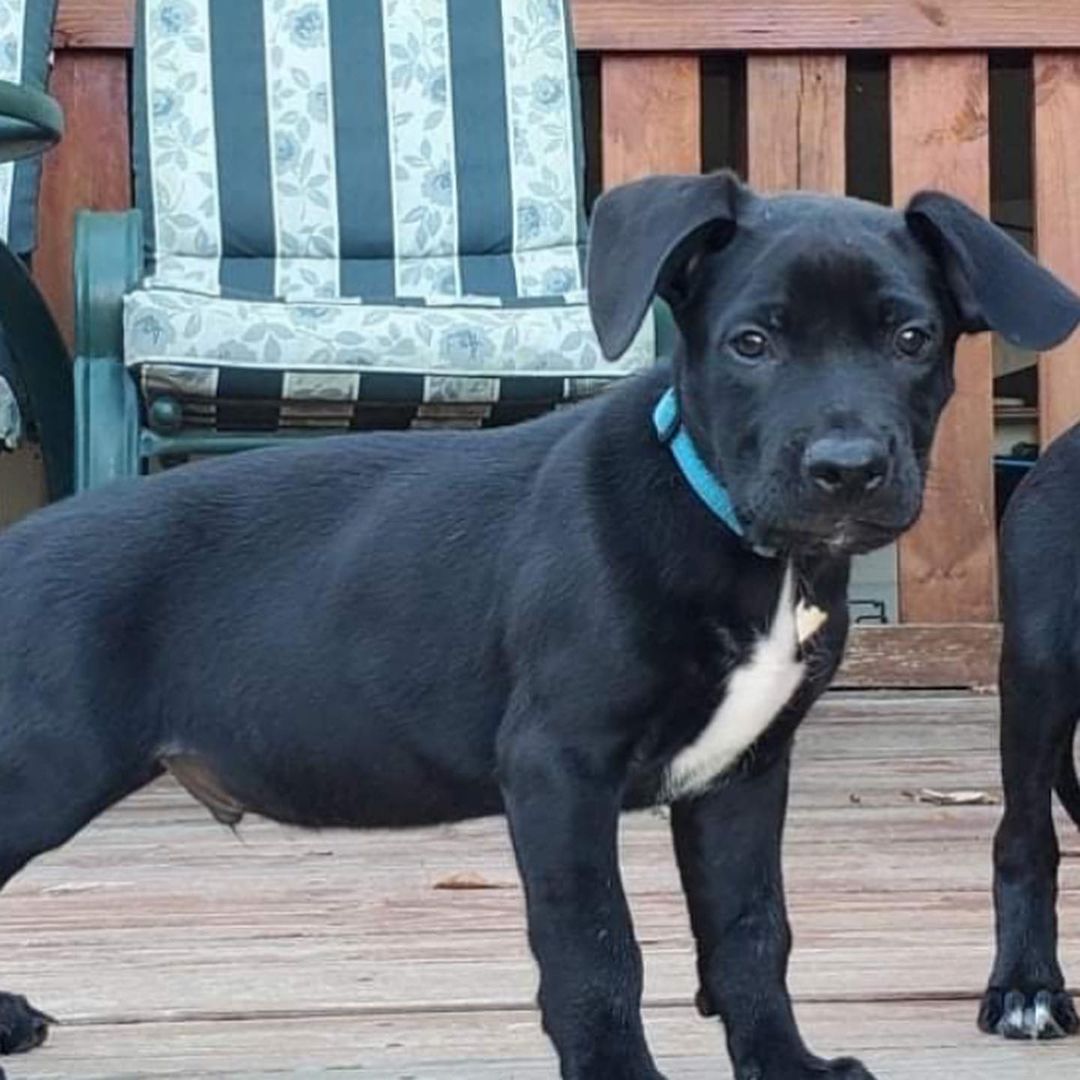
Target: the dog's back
(284, 611)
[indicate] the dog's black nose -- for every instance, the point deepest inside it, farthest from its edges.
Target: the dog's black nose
(842, 465)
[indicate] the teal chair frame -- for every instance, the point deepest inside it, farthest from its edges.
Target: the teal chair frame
(112, 440)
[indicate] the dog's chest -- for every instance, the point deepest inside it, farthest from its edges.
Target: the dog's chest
(756, 692)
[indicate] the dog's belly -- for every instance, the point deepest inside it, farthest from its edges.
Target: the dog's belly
(328, 791)
(756, 693)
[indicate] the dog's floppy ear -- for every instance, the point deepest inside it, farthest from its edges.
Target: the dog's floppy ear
(996, 284)
(643, 236)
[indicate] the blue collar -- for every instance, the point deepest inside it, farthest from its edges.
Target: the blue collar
(671, 431)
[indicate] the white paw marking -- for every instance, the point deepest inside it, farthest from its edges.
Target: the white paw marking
(1042, 1019)
(756, 692)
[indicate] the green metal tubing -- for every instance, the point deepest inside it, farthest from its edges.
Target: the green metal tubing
(108, 265)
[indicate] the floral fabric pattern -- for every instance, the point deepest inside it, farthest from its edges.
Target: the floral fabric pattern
(294, 247)
(414, 106)
(297, 36)
(470, 341)
(11, 425)
(422, 147)
(12, 19)
(543, 157)
(183, 147)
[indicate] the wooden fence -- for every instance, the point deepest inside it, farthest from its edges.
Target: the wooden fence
(796, 80)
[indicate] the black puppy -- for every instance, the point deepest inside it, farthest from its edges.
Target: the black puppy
(1040, 707)
(554, 621)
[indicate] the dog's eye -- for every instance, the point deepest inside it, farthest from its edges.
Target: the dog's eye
(912, 341)
(750, 344)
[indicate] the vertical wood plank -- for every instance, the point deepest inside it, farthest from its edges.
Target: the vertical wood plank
(940, 124)
(651, 116)
(1057, 224)
(90, 169)
(795, 122)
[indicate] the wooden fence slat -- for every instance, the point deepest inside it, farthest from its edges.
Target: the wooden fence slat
(795, 126)
(95, 24)
(940, 126)
(701, 25)
(835, 25)
(89, 169)
(651, 116)
(1057, 224)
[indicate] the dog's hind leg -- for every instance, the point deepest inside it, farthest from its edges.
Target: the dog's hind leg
(51, 785)
(1026, 998)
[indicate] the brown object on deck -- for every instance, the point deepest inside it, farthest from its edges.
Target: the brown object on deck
(197, 778)
(168, 949)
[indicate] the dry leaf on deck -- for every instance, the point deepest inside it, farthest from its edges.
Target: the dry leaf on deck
(468, 880)
(952, 798)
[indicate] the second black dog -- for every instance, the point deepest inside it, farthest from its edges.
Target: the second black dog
(1040, 707)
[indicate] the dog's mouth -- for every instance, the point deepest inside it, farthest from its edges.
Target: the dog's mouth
(842, 537)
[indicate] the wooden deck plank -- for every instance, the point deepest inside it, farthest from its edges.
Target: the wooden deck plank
(910, 1041)
(170, 948)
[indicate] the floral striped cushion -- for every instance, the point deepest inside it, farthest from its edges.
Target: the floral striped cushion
(479, 351)
(25, 44)
(316, 149)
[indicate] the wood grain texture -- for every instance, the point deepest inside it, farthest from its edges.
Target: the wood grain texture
(922, 657)
(1057, 224)
(160, 939)
(795, 122)
(90, 169)
(698, 25)
(651, 116)
(940, 128)
(837, 25)
(95, 24)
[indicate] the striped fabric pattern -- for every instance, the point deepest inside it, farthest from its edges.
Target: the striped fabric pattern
(25, 46)
(436, 352)
(361, 204)
(316, 149)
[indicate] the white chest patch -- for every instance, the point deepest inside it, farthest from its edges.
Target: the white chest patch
(756, 692)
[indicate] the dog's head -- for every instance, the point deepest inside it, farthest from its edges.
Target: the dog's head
(817, 337)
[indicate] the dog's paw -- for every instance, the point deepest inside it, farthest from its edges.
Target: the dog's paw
(1045, 1014)
(22, 1027)
(841, 1069)
(814, 1069)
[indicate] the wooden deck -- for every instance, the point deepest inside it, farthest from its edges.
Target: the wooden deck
(172, 948)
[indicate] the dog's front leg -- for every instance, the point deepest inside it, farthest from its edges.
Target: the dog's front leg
(728, 846)
(563, 808)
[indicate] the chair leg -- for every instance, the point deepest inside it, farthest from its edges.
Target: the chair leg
(106, 423)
